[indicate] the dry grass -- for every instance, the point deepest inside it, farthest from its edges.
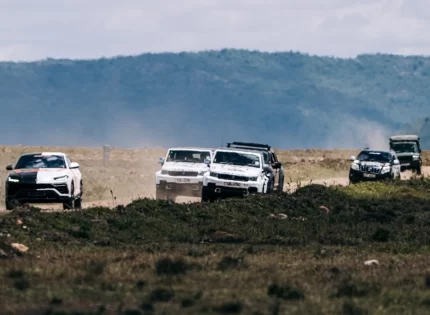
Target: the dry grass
(215, 280)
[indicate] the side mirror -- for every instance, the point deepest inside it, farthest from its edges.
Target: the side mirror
(267, 169)
(207, 161)
(74, 165)
(277, 165)
(161, 161)
(352, 158)
(396, 162)
(9, 168)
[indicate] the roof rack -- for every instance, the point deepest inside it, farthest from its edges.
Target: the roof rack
(404, 138)
(248, 145)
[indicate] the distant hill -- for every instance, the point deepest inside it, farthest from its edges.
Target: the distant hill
(290, 100)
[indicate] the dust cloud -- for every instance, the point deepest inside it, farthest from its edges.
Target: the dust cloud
(358, 133)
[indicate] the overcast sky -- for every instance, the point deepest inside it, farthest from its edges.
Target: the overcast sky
(37, 29)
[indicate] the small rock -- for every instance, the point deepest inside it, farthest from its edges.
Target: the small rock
(20, 247)
(282, 216)
(325, 208)
(19, 221)
(371, 262)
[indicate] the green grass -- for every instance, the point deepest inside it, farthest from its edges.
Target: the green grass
(227, 257)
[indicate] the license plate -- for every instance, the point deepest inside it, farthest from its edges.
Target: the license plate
(182, 180)
(369, 175)
(232, 184)
(406, 164)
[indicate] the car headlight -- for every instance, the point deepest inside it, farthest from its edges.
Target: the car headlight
(355, 166)
(201, 173)
(385, 169)
(13, 180)
(212, 174)
(164, 172)
(416, 157)
(253, 179)
(61, 178)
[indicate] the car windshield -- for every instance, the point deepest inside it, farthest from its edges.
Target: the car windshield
(405, 147)
(188, 156)
(374, 156)
(40, 161)
(237, 158)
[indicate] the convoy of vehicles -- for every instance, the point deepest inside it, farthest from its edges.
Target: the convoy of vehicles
(239, 169)
(47, 177)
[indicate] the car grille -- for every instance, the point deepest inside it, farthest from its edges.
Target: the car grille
(405, 159)
(370, 169)
(25, 189)
(233, 177)
(183, 173)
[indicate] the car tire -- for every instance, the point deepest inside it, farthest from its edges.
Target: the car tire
(281, 186)
(11, 204)
(78, 203)
(418, 170)
(206, 195)
(71, 203)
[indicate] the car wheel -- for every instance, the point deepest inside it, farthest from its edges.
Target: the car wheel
(78, 203)
(70, 204)
(11, 204)
(206, 195)
(281, 186)
(419, 170)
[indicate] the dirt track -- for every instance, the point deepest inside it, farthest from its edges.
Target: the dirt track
(343, 181)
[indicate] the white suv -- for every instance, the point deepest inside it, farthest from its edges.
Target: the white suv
(46, 177)
(182, 172)
(236, 172)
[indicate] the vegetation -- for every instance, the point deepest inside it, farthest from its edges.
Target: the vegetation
(293, 99)
(232, 256)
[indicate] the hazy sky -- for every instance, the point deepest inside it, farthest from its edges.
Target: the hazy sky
(36, 29)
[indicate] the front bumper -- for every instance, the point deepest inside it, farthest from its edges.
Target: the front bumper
(224, 187)
(37, 193)
(355, 176)
(409, 164)
(182, 186)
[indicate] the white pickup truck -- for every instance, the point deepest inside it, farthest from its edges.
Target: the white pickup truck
(236, 172)
(181, 172)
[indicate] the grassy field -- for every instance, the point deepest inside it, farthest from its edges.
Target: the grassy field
(230, 257)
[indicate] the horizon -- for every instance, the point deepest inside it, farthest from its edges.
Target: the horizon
(304, 53)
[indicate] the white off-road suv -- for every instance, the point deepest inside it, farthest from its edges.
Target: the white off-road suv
(236, 172)
(181, 172)
(47, 177)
